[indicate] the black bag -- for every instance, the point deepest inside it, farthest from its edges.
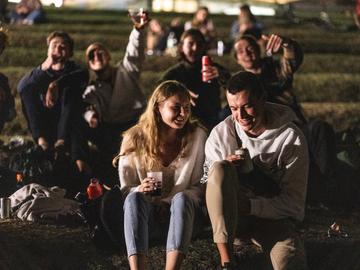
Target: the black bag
(34, 164)
(105, 216)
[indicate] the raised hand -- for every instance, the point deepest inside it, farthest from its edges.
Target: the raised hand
(273, 43)
(52, 95)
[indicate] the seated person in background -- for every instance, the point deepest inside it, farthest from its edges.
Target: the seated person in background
(173, 36)
(3, 6)
(177, 27)
(27, 12)
(115, 100)
(205, 94)
(277, 78)
(165, 140)
(156, 38)
(258, 194)
(205, 25)
(7, 103)
(51, 96)
(246, 23)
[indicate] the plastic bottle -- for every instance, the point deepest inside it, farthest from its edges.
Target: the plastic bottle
(205, 61)
(220, 48)
(94, 190)
(19, 180)
(171, 44)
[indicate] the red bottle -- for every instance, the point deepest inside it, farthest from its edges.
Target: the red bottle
(94, 189)
(205, 61)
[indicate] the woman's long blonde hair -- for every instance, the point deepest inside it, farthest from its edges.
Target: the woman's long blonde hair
(144, 137)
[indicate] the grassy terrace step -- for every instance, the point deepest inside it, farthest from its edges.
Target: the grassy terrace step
(339, 115)
(309, 87)
(34, 246)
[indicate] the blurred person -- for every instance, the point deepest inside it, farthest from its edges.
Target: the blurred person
(205, 95)
(265, 201)
(51, 96)
(3, 11)
(165, 140)
(156, 38)
(115, 100)
(177, 27)
(277, 78)
(357, 14)
(246, 23)
(7, 103)
(27, 12)
(204, 24)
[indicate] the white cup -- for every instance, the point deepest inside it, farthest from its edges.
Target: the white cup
(244, 154)
(158, 177)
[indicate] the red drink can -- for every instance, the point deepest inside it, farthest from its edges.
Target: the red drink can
(205, 61)
(94, 189)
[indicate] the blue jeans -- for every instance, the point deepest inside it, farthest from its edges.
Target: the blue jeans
(142, 224)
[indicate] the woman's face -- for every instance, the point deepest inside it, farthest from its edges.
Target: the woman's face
(201, 15)
(192, 49)
(175, 111)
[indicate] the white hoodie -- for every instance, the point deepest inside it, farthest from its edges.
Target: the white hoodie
(280, 152)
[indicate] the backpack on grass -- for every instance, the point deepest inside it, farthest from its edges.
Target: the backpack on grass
(105, 217)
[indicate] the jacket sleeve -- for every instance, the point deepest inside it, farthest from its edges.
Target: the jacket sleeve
(78, 78)
(291, 60)
(291, 200)
(36, 80)
(134, 55)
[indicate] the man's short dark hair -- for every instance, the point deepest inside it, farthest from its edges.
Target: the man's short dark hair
(65, 36)
(245, 80)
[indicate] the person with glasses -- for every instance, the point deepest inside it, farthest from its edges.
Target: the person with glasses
(114, 99)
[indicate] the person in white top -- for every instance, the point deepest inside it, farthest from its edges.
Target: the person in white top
(257, 167)
(165, 140)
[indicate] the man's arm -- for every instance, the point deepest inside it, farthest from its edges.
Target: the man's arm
(135, 50)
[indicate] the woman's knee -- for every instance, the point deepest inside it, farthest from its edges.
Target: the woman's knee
(182, 200)
(134, 200)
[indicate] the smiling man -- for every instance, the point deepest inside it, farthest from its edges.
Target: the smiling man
(51, 98)
(265, 202)
(115, 100)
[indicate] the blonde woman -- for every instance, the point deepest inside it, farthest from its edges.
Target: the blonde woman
(168, 141)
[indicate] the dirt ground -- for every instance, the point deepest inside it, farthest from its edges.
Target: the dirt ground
(25, 245)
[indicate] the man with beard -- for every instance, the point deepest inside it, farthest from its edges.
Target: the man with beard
(51, 99)
(206, 95)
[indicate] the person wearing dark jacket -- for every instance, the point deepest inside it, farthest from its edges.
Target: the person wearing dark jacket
(205, 95)
(51, 96)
